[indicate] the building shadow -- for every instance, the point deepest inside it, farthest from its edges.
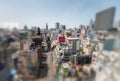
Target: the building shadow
(42, 71)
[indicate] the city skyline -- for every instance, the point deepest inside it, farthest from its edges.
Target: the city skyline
(38, 12)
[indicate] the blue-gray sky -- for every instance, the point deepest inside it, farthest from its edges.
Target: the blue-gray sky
(72, 13)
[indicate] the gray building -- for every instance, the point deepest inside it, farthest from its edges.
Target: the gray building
(63, 27)
(57, 25)
(46, 26)
(104, 19)
(91, 24)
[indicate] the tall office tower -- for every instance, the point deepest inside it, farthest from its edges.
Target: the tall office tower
(63, 27)
(38, 31)
(81, 26)
(57, 25)
(104, 19)
(46, 26)
(91, 24)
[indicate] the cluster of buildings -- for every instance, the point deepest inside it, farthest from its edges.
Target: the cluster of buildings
(88, 52)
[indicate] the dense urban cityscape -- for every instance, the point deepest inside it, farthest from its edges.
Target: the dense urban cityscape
(60, 53)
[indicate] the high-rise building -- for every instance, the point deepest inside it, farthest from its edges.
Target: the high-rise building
(57, 25)
(46, 26)
(104, 19)
(63, 27)
(81, 26)
(91, 23)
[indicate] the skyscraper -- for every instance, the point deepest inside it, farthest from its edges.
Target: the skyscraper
(104, 19)
(63, 27)
(46, 26)
(57, 25)
(91, 24)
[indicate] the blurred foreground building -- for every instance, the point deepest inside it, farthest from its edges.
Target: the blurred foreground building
(104, 19)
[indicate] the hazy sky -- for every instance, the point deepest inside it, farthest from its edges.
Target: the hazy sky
(72, 13)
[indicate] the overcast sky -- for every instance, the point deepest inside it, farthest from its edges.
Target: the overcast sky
(72, 13)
